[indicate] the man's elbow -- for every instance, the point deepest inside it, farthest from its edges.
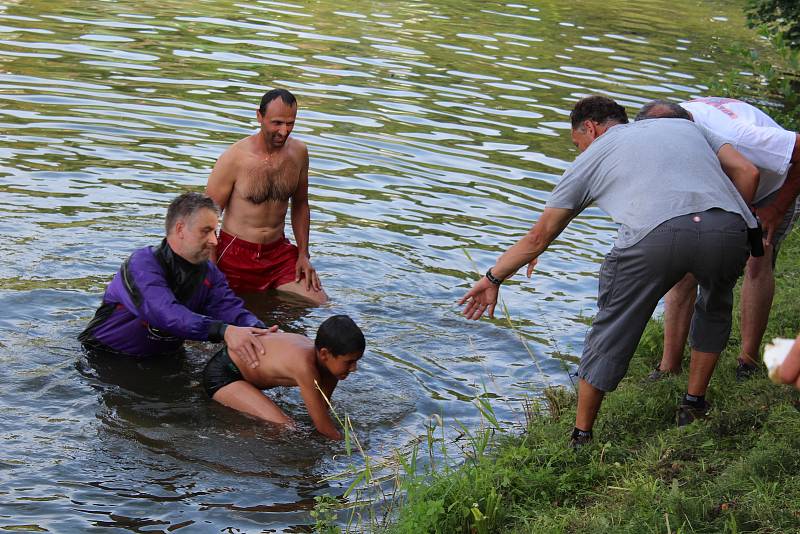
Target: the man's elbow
(219, 200)
(537, 240)
(753, 177)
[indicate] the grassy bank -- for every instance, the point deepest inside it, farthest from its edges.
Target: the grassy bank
(735, 472)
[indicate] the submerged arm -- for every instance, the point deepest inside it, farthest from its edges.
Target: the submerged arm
(317, 406)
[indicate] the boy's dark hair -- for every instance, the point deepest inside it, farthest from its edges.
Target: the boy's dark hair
(340, 335)
(599, 109)
(186, 205)
(287, 97)
(662, 109)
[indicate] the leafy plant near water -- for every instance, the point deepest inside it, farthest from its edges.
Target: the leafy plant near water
(781, 17)
(379, 486)
(775, 81)
(324, 514)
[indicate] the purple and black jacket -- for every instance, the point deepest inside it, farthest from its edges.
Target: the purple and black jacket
(158, 299)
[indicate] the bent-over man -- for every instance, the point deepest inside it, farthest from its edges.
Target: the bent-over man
(253, 182)
(165, 294)
(678, 213)
(775, 152)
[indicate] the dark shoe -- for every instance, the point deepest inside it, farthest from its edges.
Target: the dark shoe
(689, 413)
(745, 370)
(580, 438)
(657, 374)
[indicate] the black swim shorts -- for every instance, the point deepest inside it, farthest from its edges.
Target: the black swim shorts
(219, 372)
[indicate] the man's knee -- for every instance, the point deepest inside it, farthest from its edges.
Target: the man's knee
(682, 292)
(317, 297)
(299, 289)
(760, 267)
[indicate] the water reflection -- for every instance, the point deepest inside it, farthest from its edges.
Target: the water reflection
(436, 131)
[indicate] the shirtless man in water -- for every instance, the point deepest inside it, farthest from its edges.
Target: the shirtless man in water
(253, 182)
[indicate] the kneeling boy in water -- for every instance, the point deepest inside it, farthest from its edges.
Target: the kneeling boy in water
(289, 360)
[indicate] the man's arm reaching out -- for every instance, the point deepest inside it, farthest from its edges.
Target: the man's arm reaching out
(483, 294)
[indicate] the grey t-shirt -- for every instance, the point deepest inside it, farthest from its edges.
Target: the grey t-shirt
(647, 172)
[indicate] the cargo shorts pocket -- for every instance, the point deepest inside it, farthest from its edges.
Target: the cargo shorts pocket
(608, 276)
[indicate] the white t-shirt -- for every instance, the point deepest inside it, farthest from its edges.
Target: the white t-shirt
(752, 132)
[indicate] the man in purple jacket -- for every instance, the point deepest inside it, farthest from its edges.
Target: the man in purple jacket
(165, 294)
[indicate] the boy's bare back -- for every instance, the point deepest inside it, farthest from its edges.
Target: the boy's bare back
(288, 359)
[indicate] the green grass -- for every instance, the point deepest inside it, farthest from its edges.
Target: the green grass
(735, 472)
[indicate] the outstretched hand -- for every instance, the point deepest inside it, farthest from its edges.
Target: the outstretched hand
(482, 297)
(304, 270)
(243, 342)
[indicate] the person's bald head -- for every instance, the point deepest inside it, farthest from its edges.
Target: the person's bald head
(662, 109)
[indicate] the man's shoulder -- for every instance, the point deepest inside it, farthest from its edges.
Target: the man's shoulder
(142, 257)
(654, 130)
(242, 147)
(142, 268)
(298, 355)
(297, 148)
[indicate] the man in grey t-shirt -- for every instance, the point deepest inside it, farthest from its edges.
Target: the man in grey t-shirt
(678, 213)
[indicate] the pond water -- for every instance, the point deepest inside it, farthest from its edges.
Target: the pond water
(436, 130)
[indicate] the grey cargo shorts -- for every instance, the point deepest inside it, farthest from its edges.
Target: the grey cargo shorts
(712, 245)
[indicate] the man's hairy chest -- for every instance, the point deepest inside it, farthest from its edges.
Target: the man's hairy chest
(263, 181)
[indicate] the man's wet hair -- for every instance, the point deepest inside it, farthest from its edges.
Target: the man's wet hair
(662, 109)
(340, 335)
(273, 94)
(599, 109)
(186, 205)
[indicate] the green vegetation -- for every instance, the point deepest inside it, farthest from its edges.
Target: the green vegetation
(735, 472)
(775, 84)
(781, 17)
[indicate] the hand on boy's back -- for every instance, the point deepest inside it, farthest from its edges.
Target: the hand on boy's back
(243, 342)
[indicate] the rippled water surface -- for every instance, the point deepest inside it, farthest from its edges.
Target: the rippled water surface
(436, 130)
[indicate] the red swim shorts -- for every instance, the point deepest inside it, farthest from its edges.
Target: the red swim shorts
(252, 267)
